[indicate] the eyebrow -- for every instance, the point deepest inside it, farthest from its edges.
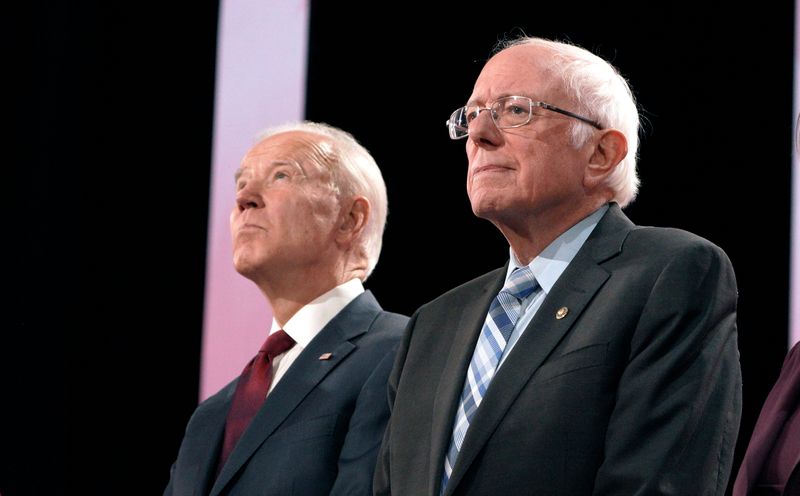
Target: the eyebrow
(502, 95)
(272, 164)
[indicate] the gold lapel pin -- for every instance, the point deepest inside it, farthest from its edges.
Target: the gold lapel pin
(562, 312)
(326, 356)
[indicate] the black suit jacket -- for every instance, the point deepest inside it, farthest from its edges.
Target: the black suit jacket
(320, 428)
(636, 390)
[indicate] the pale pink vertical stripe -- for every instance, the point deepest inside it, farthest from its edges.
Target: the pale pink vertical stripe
(794, 292)
(261, 71)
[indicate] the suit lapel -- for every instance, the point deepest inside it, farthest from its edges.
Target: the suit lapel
(574, 290)
(451, 383)
(303, 376)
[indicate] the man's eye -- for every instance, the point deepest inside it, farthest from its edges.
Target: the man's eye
(280, 175)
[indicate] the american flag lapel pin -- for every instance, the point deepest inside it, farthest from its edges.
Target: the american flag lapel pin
(326, 356)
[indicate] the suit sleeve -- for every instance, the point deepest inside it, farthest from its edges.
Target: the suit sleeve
(382, 479)
(360, 449)
(678, 405)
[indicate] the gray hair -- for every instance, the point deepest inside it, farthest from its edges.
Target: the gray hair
(602, 94)
(354, 172)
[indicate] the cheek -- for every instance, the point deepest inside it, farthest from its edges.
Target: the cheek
(323, 211)
(232, 219)
(471, 153)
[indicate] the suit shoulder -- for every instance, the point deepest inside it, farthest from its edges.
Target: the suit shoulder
(671, 242)
(466, 290)
(390, 322)
(388, 327)
(216, 401)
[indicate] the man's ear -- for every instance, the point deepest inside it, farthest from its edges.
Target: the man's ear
(354, 217)
(609, 151)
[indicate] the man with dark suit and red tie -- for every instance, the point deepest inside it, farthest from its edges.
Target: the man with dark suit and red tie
(602, 358)
(307, 414)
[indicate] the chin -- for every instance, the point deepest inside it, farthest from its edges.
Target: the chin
(245, 262)
(485, 207)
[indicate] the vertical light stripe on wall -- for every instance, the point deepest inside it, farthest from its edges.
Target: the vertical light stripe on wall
(261, 79)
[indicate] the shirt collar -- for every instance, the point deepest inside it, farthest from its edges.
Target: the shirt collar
(548, 266)
(311, 318)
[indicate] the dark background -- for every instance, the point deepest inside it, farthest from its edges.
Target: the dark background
(110, 146)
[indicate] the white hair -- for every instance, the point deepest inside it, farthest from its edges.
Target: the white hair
(602, 94)
(354, 172)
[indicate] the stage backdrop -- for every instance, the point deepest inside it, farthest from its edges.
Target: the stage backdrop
(261, 68)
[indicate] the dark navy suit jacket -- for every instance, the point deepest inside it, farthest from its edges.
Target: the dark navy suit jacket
(320, 428)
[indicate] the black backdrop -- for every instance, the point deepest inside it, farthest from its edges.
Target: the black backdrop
(110, 148)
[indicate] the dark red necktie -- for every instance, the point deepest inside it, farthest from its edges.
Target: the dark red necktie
(251, 391)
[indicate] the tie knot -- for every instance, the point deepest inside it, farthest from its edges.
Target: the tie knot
(276, 343)
(521, 283)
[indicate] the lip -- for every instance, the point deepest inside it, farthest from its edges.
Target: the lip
(489, 168)
(250, 227)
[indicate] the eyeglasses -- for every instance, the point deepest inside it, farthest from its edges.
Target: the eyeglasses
(506, 112)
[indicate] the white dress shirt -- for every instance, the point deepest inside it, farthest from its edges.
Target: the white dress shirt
(309, 320)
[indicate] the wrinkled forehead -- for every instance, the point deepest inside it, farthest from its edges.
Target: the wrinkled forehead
(523, 70)
(308, 150)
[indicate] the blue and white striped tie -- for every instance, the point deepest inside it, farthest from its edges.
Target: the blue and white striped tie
(503, 315)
